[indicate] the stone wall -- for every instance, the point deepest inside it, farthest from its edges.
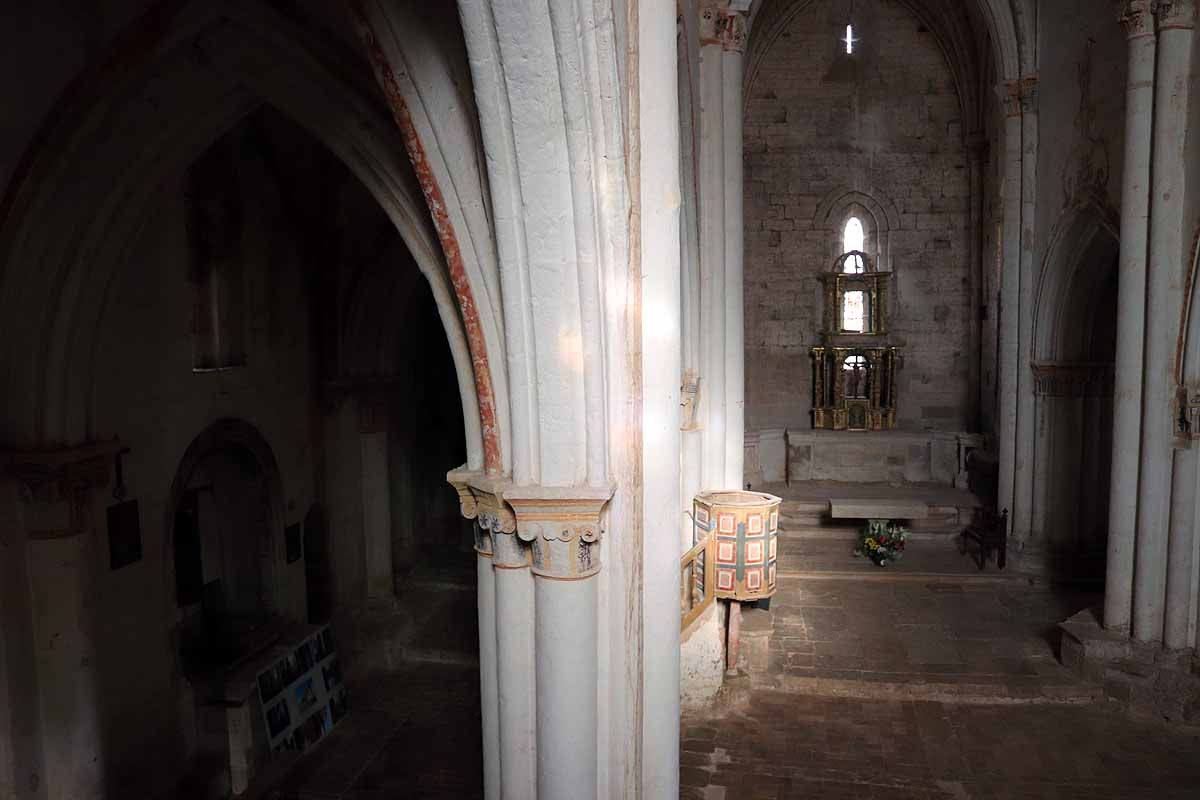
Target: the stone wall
(876, 134)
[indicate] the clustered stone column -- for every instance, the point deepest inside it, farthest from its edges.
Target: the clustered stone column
(539, 553)
(1015, 423)
(53, 698)
(1141, 597)
(722, 349)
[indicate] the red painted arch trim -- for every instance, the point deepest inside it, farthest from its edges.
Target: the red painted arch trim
(446, 235)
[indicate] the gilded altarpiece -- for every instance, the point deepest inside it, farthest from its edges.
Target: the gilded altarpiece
(855, 366)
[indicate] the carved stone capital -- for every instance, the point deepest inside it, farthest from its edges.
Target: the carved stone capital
(1136, 17)
(721, 22)
(1173, 14)
(64, 475)
(479, 498)
(563, 527)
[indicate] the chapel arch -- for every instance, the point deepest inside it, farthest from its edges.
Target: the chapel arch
(223, 533)
(1075, 350)
(170, 107)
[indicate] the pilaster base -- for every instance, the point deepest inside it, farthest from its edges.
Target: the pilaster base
(1144, 678)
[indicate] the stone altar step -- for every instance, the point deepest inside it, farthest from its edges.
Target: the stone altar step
(929, 558)
(965, 689)
(940, 519)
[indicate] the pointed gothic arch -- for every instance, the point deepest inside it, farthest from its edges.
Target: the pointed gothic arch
(65, 221)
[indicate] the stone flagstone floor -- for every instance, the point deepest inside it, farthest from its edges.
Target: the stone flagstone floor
(922, 689)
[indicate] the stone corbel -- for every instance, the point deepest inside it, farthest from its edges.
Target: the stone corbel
(1175, 14)
(480, 498)
(563, 526)
(1136, 17)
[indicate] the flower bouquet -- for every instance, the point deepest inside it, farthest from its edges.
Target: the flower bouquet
(882, 541)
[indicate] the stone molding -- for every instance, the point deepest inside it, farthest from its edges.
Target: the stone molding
(1175, 14)
(1020, 97)
(721, 22)
(1136, 17)
(1080, 379)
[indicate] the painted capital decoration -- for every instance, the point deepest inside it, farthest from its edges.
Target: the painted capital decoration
(479, 499)
(1020, 96)
(1136, 17)
(554, 530)
(562, 526)
(723, 25)
(1172, 14)
(742, 532)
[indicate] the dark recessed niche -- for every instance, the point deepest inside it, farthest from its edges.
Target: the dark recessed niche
(124, 534)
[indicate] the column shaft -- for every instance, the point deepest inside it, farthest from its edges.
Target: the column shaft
(1181, 565)
(1164, 286)
(1131, 325)
(516, 671)
(661, 367)
(735, 349)
(1022, 513)
(489, 687)
(712, 265)
(566, 687)
(1006, 412)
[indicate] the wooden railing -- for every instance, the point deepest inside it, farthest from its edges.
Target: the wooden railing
(696, 581)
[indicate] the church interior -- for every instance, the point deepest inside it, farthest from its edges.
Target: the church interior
(792, 398)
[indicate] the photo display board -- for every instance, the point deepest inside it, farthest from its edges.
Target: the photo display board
(302, 694)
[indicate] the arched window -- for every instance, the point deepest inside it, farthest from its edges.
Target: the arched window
(853, 241)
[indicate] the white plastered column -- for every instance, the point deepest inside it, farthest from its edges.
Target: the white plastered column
(1164, 288)
(507, 664)
(562, 526)
(659, 194)
(1131, 322)
(722, 348)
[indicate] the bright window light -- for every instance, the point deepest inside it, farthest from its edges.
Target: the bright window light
(849, 40)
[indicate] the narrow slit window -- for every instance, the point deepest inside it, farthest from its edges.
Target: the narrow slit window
(853, 241)
(849, 39)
